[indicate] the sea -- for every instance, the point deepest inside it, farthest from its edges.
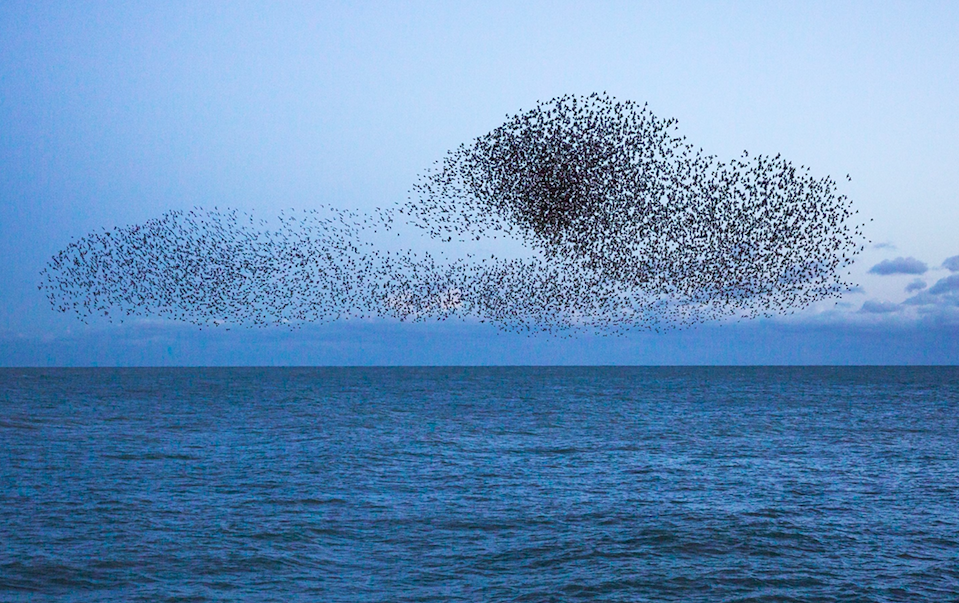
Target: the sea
(480, 484)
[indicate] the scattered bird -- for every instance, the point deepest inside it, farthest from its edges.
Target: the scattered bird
(628, 226)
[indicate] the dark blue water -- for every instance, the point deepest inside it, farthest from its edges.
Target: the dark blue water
(476, 484)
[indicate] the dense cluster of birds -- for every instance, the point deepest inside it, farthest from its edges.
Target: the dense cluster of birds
(622, 223)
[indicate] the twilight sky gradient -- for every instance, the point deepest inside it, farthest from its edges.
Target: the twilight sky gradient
(113, 113)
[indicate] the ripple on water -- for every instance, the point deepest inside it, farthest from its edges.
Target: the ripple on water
(480, 484)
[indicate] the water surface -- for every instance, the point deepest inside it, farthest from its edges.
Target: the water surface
(479, 484)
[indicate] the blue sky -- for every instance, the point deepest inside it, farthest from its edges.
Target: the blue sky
(114, 113)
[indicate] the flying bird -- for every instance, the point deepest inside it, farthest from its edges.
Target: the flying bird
(625, 226)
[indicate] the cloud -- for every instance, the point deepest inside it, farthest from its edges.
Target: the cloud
(944, 295)
(460, 343)
(916, 285)
(899, 265)
(946, 285)
(951, 264)
(884, 246)
(873, 306)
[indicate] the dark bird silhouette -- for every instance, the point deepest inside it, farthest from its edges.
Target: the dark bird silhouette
(628, 226)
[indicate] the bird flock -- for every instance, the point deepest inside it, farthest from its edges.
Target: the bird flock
(582, 213)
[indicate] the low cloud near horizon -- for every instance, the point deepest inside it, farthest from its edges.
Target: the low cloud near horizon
(939, 303)
(916, 285)
(899, 265)
(941, 299)
(877, 339)
(874, 306)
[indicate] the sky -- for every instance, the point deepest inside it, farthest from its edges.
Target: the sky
(114, 113)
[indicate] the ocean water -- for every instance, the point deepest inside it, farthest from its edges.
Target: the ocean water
(480, 484)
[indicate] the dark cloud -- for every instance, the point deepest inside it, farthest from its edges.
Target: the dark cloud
(951, 264)
(899, 265)
(873, 306)
(916, 285)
